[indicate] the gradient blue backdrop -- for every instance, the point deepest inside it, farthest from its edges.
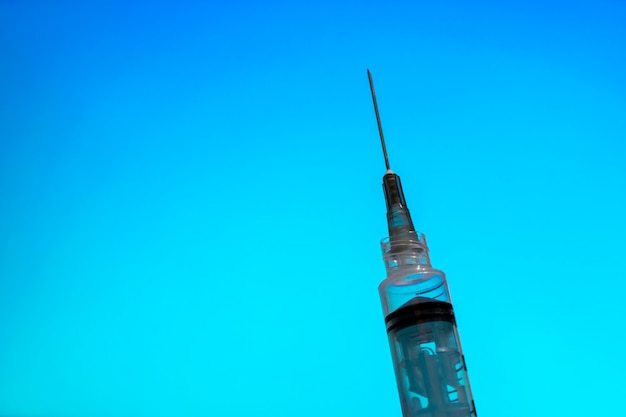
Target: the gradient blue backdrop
(190, 202)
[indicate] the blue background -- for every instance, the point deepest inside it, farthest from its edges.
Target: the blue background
(191, 202)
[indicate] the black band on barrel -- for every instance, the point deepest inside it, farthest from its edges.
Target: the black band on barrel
(419, 312)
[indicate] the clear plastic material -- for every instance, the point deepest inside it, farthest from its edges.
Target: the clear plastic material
(427, 357)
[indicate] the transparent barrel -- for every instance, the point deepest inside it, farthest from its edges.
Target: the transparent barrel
(427, 356)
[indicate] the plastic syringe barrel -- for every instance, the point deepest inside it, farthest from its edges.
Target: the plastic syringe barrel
(425, 347)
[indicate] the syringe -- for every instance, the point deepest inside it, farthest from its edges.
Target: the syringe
(429, 364)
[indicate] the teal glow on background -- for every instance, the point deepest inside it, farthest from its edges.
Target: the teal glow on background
(191, 202)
